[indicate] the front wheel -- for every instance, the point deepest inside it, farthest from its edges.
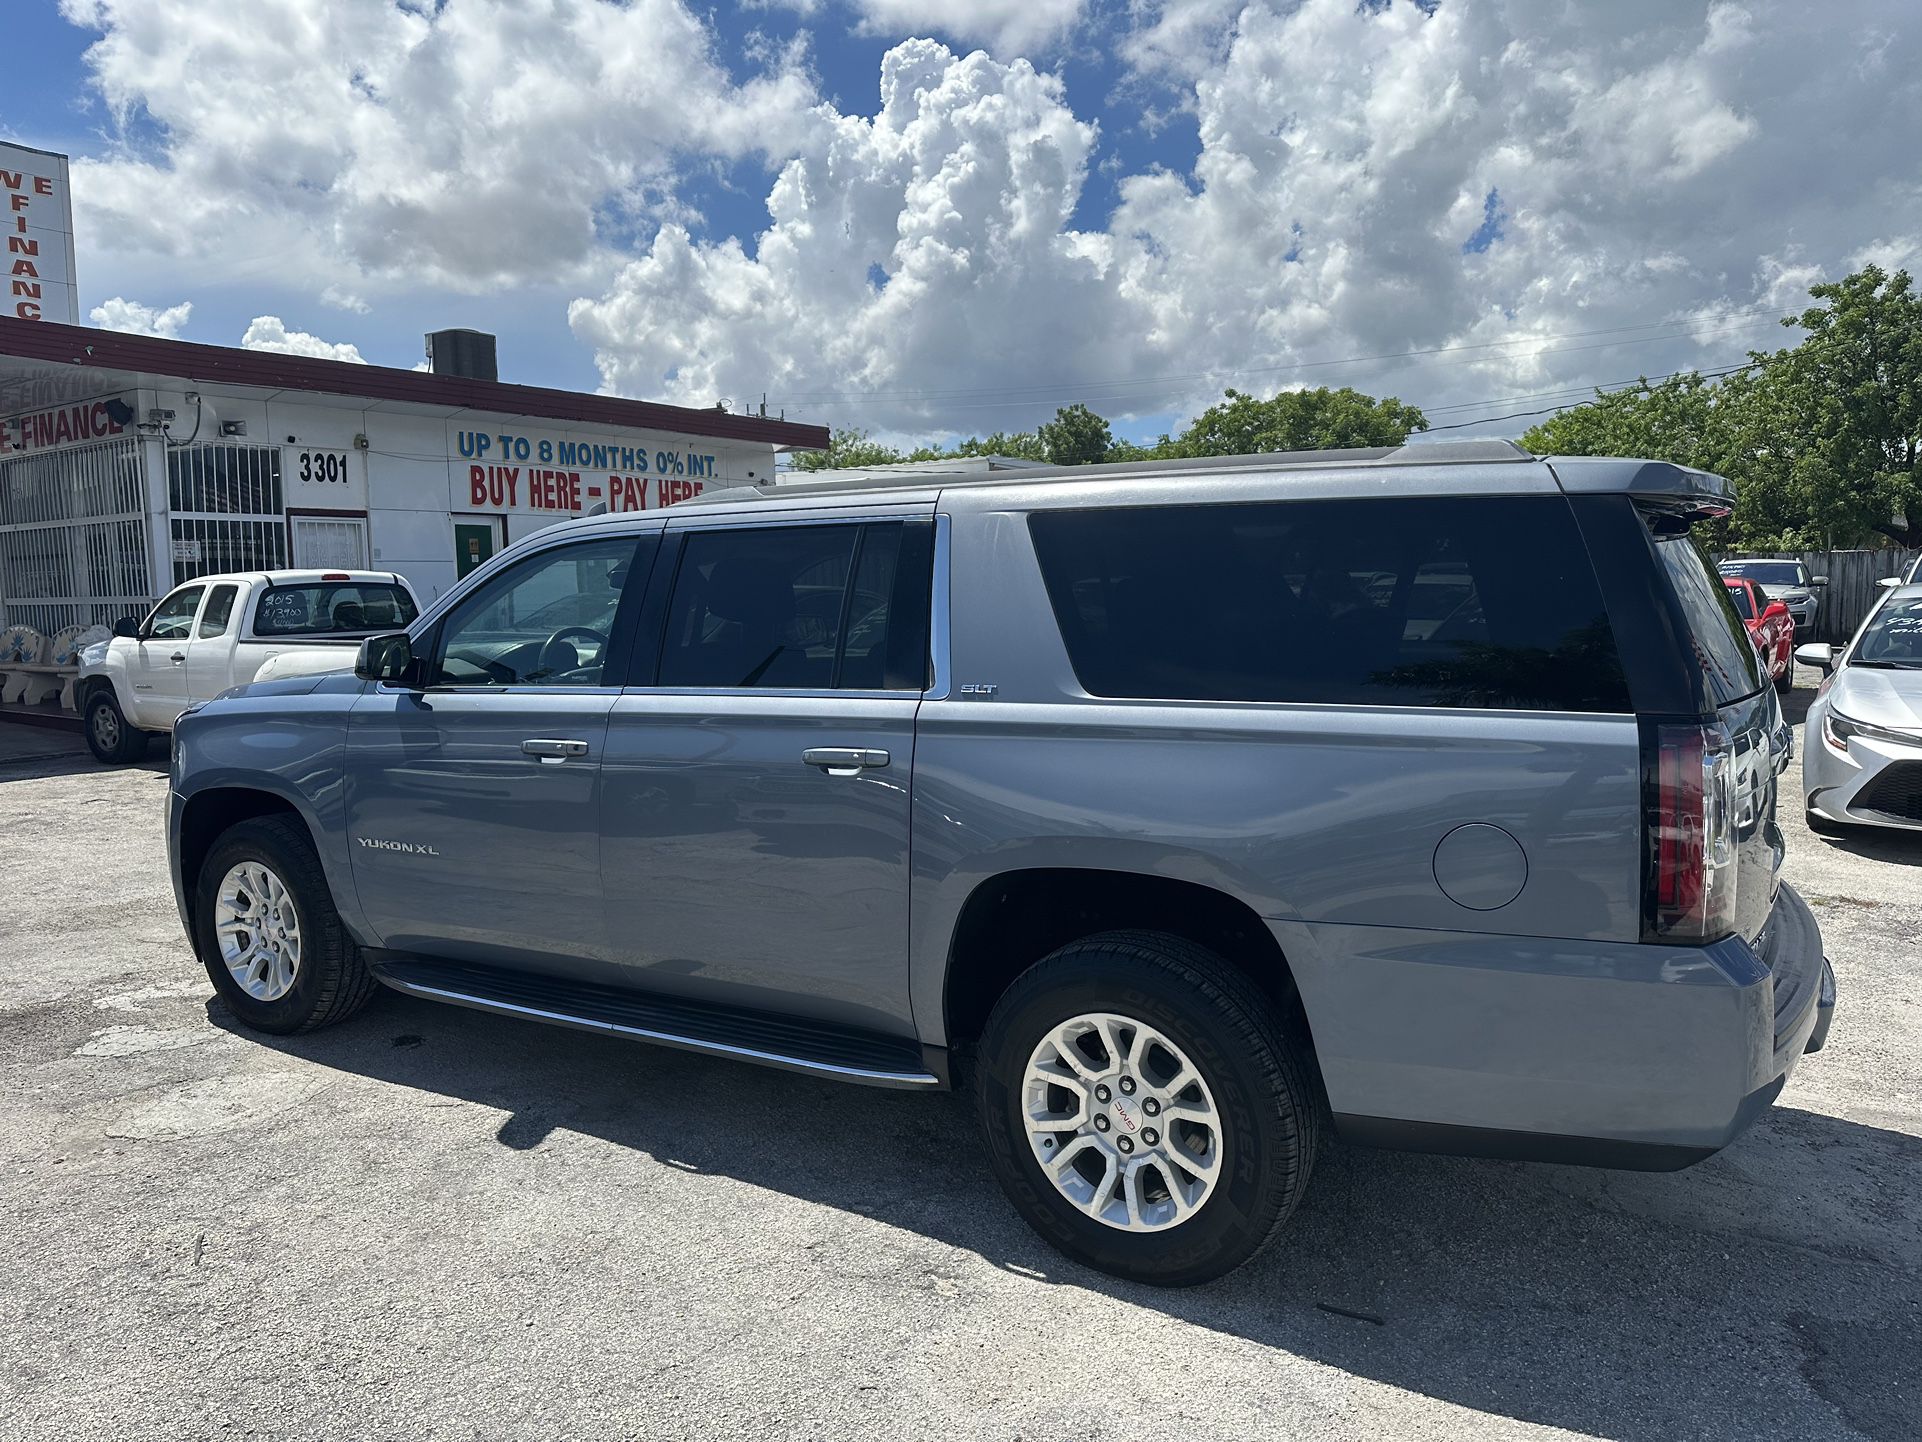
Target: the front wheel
(1144, 1108)
(110, 735)
(269, 935)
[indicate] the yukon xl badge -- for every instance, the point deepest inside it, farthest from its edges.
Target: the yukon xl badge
(404, 846)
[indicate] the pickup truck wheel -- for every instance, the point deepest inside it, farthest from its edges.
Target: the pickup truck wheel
(269, 935)
(110, 736)
(1144, 1109)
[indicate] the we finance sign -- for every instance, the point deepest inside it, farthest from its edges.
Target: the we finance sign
(38, 277)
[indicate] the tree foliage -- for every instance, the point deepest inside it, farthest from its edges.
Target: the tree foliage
(1823, 440)
(1076, 437)
(1309, 420)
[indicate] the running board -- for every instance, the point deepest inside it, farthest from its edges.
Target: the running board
(788, 1043)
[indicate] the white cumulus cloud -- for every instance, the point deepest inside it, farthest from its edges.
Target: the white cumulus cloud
(1489, 201)
(269, 332)
(137, 319)
(1009, 27)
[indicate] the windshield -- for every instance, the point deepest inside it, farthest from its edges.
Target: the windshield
(333, 608)
(1769, 573)
(1740, 595)
(1893, 636)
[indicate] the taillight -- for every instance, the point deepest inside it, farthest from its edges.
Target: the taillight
(1689, 802)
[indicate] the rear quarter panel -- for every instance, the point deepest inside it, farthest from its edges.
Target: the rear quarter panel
(1315, 816)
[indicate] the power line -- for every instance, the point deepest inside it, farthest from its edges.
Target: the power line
(1550, 410)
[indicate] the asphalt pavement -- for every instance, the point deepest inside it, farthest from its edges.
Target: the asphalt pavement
(429, 1223)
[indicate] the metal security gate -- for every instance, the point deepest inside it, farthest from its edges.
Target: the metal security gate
(329, 543)
(73, 537)
(226, 510)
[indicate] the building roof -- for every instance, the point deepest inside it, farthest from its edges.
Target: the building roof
(33, 353)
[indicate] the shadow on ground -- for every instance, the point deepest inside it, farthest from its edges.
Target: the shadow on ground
(1612, 1304)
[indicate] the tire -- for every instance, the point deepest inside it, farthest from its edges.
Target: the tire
(1253, 1077)
(110, 736)
(329, 979)
(1786, 681)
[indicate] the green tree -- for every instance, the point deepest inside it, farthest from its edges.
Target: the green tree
(847, 448)
(1076, 437)
(1297, 421)
(1852, 390)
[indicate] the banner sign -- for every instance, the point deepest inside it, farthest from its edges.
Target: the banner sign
(36, 216)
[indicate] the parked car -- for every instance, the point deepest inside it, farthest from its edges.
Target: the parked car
(1770, 627)
(1862, 746)
(1138, 788)
(218, 632)
(1786, 581)
(1910, 577)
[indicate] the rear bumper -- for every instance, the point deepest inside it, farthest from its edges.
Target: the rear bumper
(1607, 1054)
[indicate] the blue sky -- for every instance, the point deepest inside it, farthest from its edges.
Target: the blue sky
(1481, 208)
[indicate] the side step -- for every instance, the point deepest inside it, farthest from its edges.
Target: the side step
(789, 1043)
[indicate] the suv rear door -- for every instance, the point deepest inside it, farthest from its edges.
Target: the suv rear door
(754, 820)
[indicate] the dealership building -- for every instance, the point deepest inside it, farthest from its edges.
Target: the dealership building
(129, 464)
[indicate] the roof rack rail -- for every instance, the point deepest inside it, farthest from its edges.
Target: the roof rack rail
(1418, 453)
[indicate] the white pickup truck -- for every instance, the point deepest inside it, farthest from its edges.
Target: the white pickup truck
(217, 632)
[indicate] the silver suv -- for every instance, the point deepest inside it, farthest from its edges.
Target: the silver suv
(1187, 810)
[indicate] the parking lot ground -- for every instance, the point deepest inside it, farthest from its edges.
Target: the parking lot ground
(431, 1223)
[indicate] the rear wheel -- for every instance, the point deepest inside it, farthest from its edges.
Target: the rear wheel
(1144, 1108)
(110, 736)
(269, 935)
(1786, 681)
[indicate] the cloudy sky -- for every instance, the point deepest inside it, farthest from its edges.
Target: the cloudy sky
(937, 217)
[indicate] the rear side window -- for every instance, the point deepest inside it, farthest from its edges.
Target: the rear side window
(816, 608)
(1716, 633)
(1454, 602)
(218, 611)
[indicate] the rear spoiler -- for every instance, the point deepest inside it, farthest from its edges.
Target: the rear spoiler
(1655, 480)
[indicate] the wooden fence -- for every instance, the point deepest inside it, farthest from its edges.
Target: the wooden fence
(1852, 591)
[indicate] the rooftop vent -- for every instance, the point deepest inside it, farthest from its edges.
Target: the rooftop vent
(467, 353)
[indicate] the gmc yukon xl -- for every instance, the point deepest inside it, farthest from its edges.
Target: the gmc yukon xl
(1188, 810)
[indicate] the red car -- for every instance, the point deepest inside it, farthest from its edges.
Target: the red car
(1770, 627)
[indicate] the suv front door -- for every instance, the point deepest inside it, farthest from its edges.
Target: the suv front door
(473, 798)
(754, 819)
(157, 670)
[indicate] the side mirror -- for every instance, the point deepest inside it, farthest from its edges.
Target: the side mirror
(1818, 654)
(1889, 583)
(387, 658)
(1818, 580)
(128, 627)
(1775, 608)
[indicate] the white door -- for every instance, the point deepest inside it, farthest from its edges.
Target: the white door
(157, 671)
(329, 543)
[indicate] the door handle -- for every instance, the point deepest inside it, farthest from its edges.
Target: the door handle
(553, 751)
(179, 658)
(844, 760)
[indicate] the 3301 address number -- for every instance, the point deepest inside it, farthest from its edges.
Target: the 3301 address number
(321, 466)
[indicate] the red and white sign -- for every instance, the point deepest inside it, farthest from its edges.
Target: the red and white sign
(36, 217)
(72, 425)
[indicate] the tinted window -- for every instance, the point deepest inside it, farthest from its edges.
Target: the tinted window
(546, 621)
(332, 607)
(1744, 603)
(173, 618)
(1716, 633)
(1465, 602)
(804, 607)
(219, 610)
